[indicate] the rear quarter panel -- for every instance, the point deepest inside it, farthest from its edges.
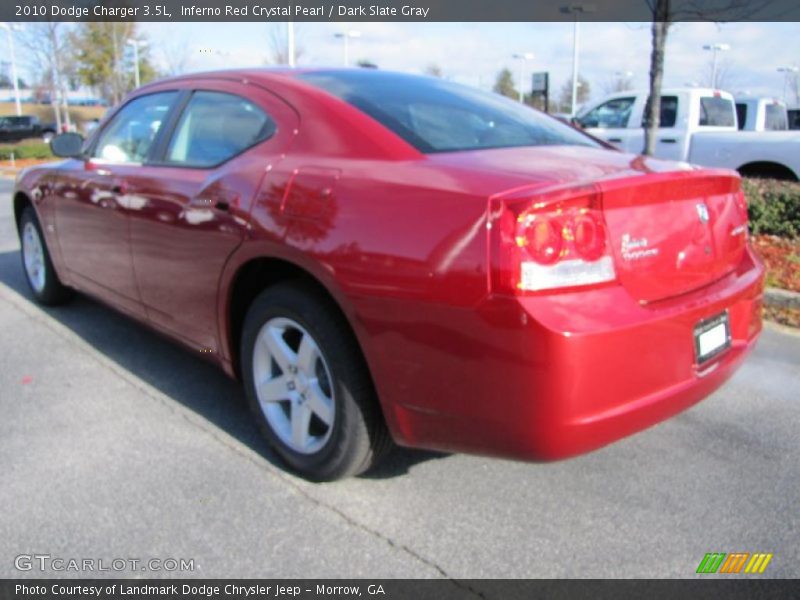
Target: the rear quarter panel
(401, 248)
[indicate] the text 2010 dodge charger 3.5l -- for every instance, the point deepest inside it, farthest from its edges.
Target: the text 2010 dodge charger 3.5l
(386, 257)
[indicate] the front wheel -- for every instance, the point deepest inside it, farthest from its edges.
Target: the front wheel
(308, 386)
(39, 271)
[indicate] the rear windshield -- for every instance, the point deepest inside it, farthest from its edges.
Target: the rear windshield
(438, 116)
(716, 112)
(775, 118)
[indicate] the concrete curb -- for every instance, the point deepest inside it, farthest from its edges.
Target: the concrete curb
(781, 298)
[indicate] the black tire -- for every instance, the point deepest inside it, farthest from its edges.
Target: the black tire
(53, 292)
(358, 437)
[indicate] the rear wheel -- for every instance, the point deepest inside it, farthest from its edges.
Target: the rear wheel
(39, 271)
(308, 386)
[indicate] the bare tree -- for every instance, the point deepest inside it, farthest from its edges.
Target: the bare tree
(722, 77)
(565, 94)
(660, 27)
(434, 70)
(665, 12)
(794, 86)
(620, 82)
(278, 43)
(174, 57)
(48, 55)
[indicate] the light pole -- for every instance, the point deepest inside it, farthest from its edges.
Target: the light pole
(787, 71)
(576, 10)
(135, 44)
(10, 31)
(714, 48)
(290, 43)
(522, 58)
(346, 35)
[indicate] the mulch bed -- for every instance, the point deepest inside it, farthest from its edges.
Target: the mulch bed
(21, 163)
(782, 259)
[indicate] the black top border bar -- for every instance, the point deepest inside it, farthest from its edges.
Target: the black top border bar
(397, 10)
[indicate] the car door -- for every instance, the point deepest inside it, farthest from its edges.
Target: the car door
(190, 207)
(609, 121)
(92, 205)
(672, 138)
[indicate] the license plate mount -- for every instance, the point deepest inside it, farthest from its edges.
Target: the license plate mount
(712, 337)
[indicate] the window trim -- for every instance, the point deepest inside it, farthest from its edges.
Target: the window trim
(160, 157)
(98, 133)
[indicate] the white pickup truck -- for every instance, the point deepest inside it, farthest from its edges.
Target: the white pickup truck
(761, 114)
(698, 126)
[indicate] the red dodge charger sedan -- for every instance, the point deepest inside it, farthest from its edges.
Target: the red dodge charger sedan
(382, 257)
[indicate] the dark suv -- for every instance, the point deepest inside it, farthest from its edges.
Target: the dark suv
(20, 128)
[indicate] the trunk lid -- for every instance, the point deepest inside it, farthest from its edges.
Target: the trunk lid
(672, 233)
(655, 210)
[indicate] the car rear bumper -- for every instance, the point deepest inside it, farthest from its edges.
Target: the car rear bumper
(559, 375)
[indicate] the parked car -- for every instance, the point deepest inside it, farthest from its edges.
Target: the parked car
(761, 114)
(13, 129)
(383, 257)
(697, 125)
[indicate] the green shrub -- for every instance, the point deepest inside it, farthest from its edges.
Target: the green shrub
(25, 150)
(773, 207)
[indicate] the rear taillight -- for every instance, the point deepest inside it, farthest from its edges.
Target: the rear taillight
(558, 242)
(741, 205)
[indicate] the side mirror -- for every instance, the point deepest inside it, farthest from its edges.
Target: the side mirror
(67, 145)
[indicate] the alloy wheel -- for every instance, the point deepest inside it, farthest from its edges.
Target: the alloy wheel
(33, 256)
(293, 385)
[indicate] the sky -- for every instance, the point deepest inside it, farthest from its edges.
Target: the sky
(473, 53)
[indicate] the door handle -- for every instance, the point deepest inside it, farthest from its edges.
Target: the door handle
(206, 203)
(668, 141)
(615, 140)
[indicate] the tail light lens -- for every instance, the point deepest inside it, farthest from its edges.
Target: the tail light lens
(741, 204)
(561, 242)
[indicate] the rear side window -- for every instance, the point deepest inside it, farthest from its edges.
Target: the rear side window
(669, 112)
(716, 112)
(613, 114)
(438, 116)
(775, 118)
(741, 114)
(215, 127)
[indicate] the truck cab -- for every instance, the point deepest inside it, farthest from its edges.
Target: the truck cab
(761, 114)
(619, 119)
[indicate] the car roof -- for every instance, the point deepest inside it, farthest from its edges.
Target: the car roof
(267, 74)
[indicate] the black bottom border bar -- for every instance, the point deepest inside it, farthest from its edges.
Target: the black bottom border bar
(397, 589)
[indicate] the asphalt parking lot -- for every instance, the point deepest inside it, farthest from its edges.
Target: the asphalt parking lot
(117, 443)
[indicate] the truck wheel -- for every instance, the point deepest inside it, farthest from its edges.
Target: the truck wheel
(308, 386)
(39, 271)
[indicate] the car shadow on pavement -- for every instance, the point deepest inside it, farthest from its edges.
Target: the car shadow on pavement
(174, 370)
